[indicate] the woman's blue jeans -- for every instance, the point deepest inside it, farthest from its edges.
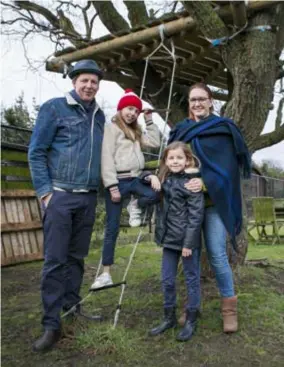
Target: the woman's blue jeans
(215, 242)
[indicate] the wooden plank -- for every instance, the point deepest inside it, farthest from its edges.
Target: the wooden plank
(26, 240)
(34, 208)
(15, 244)
(3, 252)
(33, 242)
(26, 210)
(20, 239)
(8, 210)
(3, 212)
(39, 238)
(15, 213)
(6, 241)
(19, 217)
(19, 226)
(20, 258)
(18, 193)
(20, 207)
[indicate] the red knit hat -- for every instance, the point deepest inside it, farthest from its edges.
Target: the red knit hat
(129, 99)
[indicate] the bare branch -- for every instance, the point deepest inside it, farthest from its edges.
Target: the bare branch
(91, 25)
(29, 5)
(174, 6)
(137, 12)
(266, 140)
(279, 119)
(110, 17)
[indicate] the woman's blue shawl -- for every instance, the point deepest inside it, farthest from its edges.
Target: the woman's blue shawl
(222, 151)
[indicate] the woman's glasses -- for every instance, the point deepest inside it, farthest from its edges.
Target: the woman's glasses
(199, 100)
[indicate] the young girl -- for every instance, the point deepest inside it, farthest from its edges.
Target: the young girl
(178, 228)
(122, 164)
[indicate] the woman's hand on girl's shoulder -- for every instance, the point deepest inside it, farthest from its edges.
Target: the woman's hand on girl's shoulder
(194, 185)
(155, 182)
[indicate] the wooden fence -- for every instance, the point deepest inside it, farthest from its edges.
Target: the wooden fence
(21, 232)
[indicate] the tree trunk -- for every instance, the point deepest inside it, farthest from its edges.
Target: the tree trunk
(254, 72)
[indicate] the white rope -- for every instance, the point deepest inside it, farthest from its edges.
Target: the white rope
(172, 55)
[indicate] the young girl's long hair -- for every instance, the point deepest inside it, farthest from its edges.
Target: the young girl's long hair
(132, 131)
(164, 170)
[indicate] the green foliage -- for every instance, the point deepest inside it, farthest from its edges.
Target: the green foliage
(18, 115)
(272, 169)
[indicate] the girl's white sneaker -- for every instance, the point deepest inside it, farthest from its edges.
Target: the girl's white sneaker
(134, 213)
(102, 280)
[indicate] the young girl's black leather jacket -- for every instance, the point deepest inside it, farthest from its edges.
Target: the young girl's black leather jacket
(179, 216)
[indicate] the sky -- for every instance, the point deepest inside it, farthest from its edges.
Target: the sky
(17, 76)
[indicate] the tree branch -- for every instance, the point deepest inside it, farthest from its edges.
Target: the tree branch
(279, 119)
(137, 12)
(280, 33)
(209, 22)
(48, 15)
(110, 17)
(239, 13)
(266, 140)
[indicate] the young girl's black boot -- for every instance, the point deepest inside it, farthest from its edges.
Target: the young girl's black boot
(170, 321)
(189, 327)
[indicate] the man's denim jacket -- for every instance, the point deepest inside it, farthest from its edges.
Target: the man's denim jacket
(65, 147)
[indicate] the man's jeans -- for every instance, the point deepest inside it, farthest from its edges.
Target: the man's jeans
(215, 242)
(191, 270)
(68, 223)
(127, 186)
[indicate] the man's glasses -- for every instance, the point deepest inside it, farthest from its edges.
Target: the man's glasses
(199, 100)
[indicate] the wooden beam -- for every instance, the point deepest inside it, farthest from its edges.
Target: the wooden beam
(20, 258)
(18, 193)
(129, 40)
(16, 227)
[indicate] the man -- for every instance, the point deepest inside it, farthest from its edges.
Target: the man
(65, 159)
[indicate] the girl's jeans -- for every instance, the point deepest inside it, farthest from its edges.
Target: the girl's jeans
(215, 242)
(191, 270)
(147, 196)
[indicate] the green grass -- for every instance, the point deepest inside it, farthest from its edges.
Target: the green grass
(259, 341)
(270, 252)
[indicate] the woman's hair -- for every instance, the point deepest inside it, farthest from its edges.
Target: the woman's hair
(164, 170)
(206, 89)
(132, 131)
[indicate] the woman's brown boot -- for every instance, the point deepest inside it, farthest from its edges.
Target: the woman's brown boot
(229, 313)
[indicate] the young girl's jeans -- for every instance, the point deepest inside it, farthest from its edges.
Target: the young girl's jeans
(191, 270)
(127, 186)
(215, 242)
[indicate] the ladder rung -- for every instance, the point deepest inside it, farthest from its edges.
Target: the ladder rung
(107, 287)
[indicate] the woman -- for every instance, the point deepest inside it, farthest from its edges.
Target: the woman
(220, 147)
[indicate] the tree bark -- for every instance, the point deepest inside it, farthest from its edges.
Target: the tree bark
(254, 72)
(137, 12)
(110, 16)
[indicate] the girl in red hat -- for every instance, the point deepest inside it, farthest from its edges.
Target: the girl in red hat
(122, 164)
